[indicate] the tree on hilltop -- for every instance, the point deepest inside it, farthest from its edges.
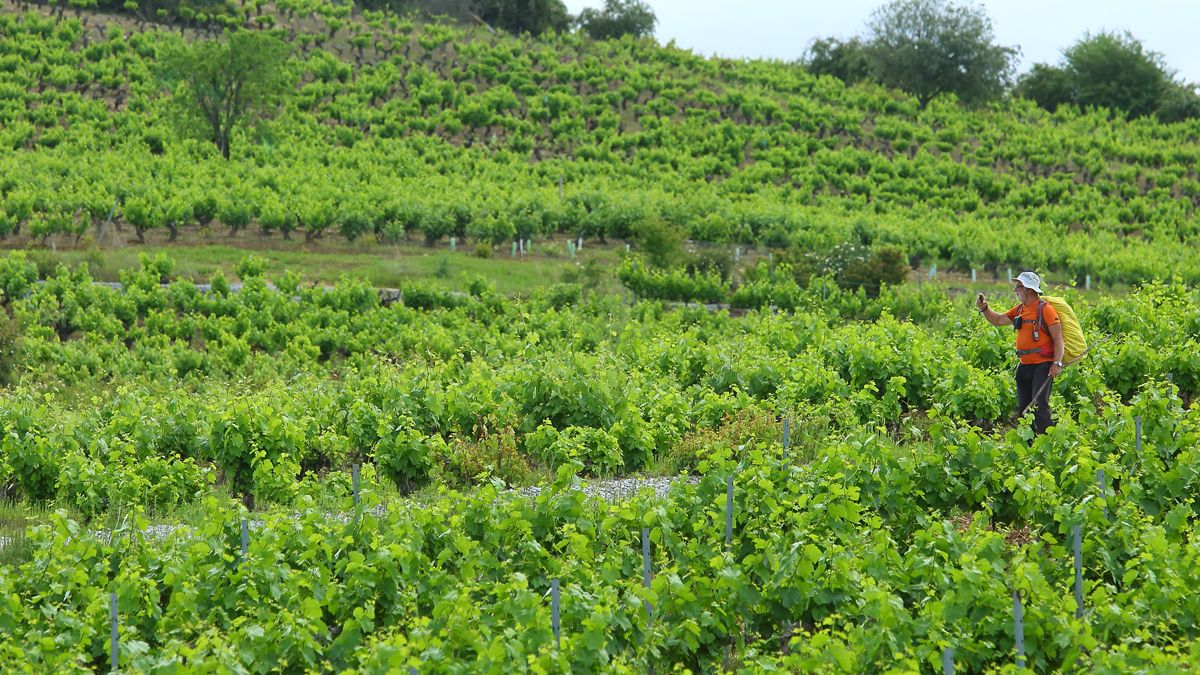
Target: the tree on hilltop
(846, 60)
(217, 85)
(1048, 86)
(618, 18)
(1115, 71)
(524, 16)
(931, 47)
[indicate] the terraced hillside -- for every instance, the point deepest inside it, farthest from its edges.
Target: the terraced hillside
(410, 130)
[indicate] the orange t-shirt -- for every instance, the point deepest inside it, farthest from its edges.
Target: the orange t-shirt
(1025, 333)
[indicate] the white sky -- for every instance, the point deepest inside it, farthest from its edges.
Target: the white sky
(783, 29)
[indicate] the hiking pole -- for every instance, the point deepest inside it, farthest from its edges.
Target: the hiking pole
(1045, 384)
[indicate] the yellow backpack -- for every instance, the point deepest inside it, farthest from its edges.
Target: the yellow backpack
(1074, 344)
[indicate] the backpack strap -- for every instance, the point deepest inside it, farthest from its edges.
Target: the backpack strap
(1041, 322)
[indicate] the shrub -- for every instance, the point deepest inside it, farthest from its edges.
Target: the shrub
(560, 295)
(275, 480)
(250, 266)
(671, 284)
(716, 260)
(406, 456)
(661, 242)
(856, 266)
(596, 448)
(469, 461)
(17, 275)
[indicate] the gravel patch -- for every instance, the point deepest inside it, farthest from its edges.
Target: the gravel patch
(619, 489)
(611, 490)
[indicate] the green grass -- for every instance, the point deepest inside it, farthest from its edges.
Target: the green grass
(381, 266)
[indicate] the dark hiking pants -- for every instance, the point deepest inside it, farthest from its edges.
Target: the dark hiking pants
(1030, 378)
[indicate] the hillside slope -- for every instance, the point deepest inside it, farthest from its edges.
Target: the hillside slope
(402, 129)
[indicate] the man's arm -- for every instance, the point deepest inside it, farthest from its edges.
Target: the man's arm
(996, 318)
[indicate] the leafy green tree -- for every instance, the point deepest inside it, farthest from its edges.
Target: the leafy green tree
(931, 47)
(846, 60)
(524, 16)
(619, 17)
(218, 85)
(1115, 71)
(1180, 102)
(1048, 86)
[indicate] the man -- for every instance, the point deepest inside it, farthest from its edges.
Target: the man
(1039, 345)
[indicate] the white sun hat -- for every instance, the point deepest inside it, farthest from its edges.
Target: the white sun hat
(1031, 281)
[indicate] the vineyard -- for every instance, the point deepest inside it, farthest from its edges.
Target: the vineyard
(404, 130)
(904, 511)
(259, 471)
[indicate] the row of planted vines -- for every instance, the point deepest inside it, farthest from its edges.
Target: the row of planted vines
(904, 514)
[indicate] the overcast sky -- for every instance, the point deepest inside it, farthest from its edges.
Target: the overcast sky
(782, 29)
